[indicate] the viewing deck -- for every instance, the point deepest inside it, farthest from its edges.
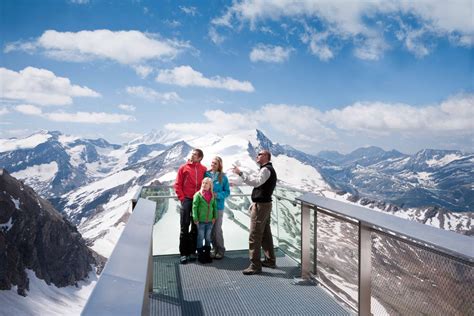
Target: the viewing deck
(220, 288)
(347, 260)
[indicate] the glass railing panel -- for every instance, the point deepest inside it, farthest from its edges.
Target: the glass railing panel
(337, 257)
(410, 280)
(288, 213)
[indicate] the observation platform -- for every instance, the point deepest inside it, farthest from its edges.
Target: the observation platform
(351, 260)
(220, 288)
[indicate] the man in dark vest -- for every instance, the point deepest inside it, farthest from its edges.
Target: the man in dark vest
(260, 214)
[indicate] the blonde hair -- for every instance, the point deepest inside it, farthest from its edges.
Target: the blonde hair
(220, 167)
(207, 179)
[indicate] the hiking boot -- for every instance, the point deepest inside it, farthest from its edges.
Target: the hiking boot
(268, 264)
(183, 260)
(251, 270)
(192, 257)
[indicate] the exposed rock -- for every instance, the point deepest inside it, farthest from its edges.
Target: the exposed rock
(33, 235)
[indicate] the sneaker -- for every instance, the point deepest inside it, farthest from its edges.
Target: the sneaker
(250, 271)
(183, 260)
(268, 264)
(218, 256)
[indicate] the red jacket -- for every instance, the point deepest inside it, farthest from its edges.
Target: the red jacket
(188, 179)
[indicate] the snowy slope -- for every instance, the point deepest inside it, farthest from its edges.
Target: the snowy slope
(46, 299)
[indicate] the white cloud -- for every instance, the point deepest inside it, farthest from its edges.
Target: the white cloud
(305, 125)
(78, 117)
(40, 86)
(3, 111)
(359, 23)
(186, 76)
(79, 1)
(456, 114)
(152, 95)
(143, 71)
(189, 10)
(125, 47)
(270, 54)
(127, 107)
(215, 37)
(29, 109)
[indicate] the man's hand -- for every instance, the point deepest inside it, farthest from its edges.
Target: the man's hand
(213, 221)
(236, 170)
(196, 222)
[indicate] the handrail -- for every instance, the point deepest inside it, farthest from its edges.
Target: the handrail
(447, 243)
(124, 284)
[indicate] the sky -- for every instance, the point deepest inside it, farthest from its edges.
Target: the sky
(316, 75)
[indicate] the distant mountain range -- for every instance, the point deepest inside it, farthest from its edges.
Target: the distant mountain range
(439, 178)
(93, 181)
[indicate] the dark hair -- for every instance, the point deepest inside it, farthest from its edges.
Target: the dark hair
(199, 151)
(269, 155)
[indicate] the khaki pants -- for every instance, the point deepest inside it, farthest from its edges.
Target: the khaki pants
(260, 234)
(217, 234)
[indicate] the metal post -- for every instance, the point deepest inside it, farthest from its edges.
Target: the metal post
(365, 267)
(315, 252)
(305, 242)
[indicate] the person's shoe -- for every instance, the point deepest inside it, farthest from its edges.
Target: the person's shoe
(218, 256)
(192, 257)
(268, 264)
(251, 270)
(183, 260)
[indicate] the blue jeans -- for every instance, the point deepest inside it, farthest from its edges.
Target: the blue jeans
(204, 232)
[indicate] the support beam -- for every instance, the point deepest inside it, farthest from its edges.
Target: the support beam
(305, 242)
(365, 267)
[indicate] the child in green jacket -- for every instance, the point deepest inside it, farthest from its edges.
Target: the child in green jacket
(204, 215)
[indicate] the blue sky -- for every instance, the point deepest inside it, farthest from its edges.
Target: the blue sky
(318, 75)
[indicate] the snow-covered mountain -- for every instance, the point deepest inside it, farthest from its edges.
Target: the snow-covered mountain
(111, 175)
(441, 178)
(54, 164)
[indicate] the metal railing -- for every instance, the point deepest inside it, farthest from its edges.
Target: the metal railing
(382, 264)
(351, 251)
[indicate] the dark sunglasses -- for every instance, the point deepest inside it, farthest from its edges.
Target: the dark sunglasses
(259, 154)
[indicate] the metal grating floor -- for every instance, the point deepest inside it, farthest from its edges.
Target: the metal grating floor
(220, 288)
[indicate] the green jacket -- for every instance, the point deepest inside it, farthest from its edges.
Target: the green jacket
(202, 211)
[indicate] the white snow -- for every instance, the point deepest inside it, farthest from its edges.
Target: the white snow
(28, 142)
(75, 154)
(443, 160)
(43, 299)
(38, 173)
(17, 203)
(170, 176)
(67, 139)
(7, 226)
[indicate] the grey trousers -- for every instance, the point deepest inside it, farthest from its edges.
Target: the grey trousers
(260, 234)
(217, 234)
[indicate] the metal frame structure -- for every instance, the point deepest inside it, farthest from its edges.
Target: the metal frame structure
(446, 243)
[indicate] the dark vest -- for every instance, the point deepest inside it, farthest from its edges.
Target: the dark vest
(264, 192)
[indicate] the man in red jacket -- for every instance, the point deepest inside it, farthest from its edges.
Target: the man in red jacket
(188, 182)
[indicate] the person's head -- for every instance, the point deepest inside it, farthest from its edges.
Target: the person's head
(196, 155)
(217, 166)
(206, 184)
(263, 157)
